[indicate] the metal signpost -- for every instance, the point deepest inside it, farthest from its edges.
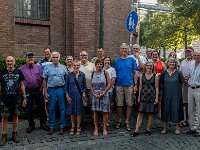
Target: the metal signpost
(131, 23)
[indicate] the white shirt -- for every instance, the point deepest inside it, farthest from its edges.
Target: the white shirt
(186, 66)
(87, 69)
(194, 79)
(112, 73)
(142, 58)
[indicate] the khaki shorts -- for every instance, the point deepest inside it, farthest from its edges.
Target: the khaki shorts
(124, 92)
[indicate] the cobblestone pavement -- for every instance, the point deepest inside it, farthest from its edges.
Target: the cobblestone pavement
(117, 139)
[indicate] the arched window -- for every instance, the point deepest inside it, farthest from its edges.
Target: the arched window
(33, 9)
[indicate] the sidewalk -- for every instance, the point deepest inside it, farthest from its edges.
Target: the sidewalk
(117, 139)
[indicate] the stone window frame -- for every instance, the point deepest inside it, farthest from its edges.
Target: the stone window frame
(32, 9)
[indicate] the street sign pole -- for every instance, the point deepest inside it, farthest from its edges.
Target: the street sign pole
(131, 24)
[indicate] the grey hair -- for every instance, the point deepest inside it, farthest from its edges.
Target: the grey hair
(124, 44)
(69, 57)
(55, 53)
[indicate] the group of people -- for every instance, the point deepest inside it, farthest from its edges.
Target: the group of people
(158, 88)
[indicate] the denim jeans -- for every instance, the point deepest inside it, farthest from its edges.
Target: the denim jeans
(56, 94)
(36, 95)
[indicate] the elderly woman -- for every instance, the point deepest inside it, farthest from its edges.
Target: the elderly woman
(112, 74)
(69, 63)
(148, 97)
(174, 56)
(100, 84)
(172, 103)
(75, 93)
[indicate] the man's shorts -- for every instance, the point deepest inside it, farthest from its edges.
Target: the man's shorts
(124, 92)
(185, 94)
(9, 110)
(111, 99)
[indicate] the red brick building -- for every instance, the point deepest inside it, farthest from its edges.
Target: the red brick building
(66, 26)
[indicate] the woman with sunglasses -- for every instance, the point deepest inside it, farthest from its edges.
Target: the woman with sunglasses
(148, 97)
(172, 102)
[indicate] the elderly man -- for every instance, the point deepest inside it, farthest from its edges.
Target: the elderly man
(33, 84)
(54, 82)
(194, 97)
(100, 55)
(185, 66)
(11, 84)
(126, 83)
(87, 68)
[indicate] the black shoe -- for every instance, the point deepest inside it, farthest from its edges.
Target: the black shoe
(191, 132)
(197, 134)
(147, 133)
(134, 134)
(44, 127)
(3, 140)
(50, 131)
(30, 129)
(15, 137)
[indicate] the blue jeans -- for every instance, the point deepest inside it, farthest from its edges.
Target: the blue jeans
(37, 95)
(56, 95)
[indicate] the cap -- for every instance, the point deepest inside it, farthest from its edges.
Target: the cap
(28, 54)
(136, 46)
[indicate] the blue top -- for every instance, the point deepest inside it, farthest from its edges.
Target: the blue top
(44, 62)
(125, 71)
(56, 75)
(71, 84)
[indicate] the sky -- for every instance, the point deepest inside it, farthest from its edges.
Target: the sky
(149, 1)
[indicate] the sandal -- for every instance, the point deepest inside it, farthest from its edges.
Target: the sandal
(78, 131)
(128, 127)
(147, 133)
(72, 131)
(118, 125)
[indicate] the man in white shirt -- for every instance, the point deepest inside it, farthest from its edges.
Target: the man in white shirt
(185, 66)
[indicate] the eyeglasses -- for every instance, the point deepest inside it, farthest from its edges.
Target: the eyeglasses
(83, 55)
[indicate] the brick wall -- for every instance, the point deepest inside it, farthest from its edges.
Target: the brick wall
(115, 13)
(6, 27)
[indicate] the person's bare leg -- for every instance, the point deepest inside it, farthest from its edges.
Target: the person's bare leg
(149, 122)
(139, 122)
(119, 114)
(4, 125)
(15, 123)
(105, 120)
(128, 113)
(165, 127)
(95, 118)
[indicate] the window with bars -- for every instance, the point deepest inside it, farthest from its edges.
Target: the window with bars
(33, 9)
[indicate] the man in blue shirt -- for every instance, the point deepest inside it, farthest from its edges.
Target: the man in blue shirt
(54, 81)
(126, 77)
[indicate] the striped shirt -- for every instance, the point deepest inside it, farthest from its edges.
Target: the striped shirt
(194, 79)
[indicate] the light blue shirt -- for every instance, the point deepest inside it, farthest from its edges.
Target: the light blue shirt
(55, 75)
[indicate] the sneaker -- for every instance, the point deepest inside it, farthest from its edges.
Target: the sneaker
(3, 140)
(15, 137)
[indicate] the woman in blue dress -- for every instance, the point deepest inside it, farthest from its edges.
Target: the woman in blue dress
(100, 84)
(75, 93)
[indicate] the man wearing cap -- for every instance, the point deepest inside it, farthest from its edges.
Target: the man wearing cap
(54, 81)
(33, 84)
(185, 66)
(11, 88)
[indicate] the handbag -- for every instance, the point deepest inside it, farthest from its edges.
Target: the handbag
(80, 92)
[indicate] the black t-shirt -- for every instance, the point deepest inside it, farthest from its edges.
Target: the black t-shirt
(10, 85)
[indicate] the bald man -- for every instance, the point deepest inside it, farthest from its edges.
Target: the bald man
(11, 84)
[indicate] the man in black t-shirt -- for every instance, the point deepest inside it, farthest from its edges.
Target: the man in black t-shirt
(11, 88)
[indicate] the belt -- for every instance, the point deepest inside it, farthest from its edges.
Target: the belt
(195, 87)
(56, 87)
